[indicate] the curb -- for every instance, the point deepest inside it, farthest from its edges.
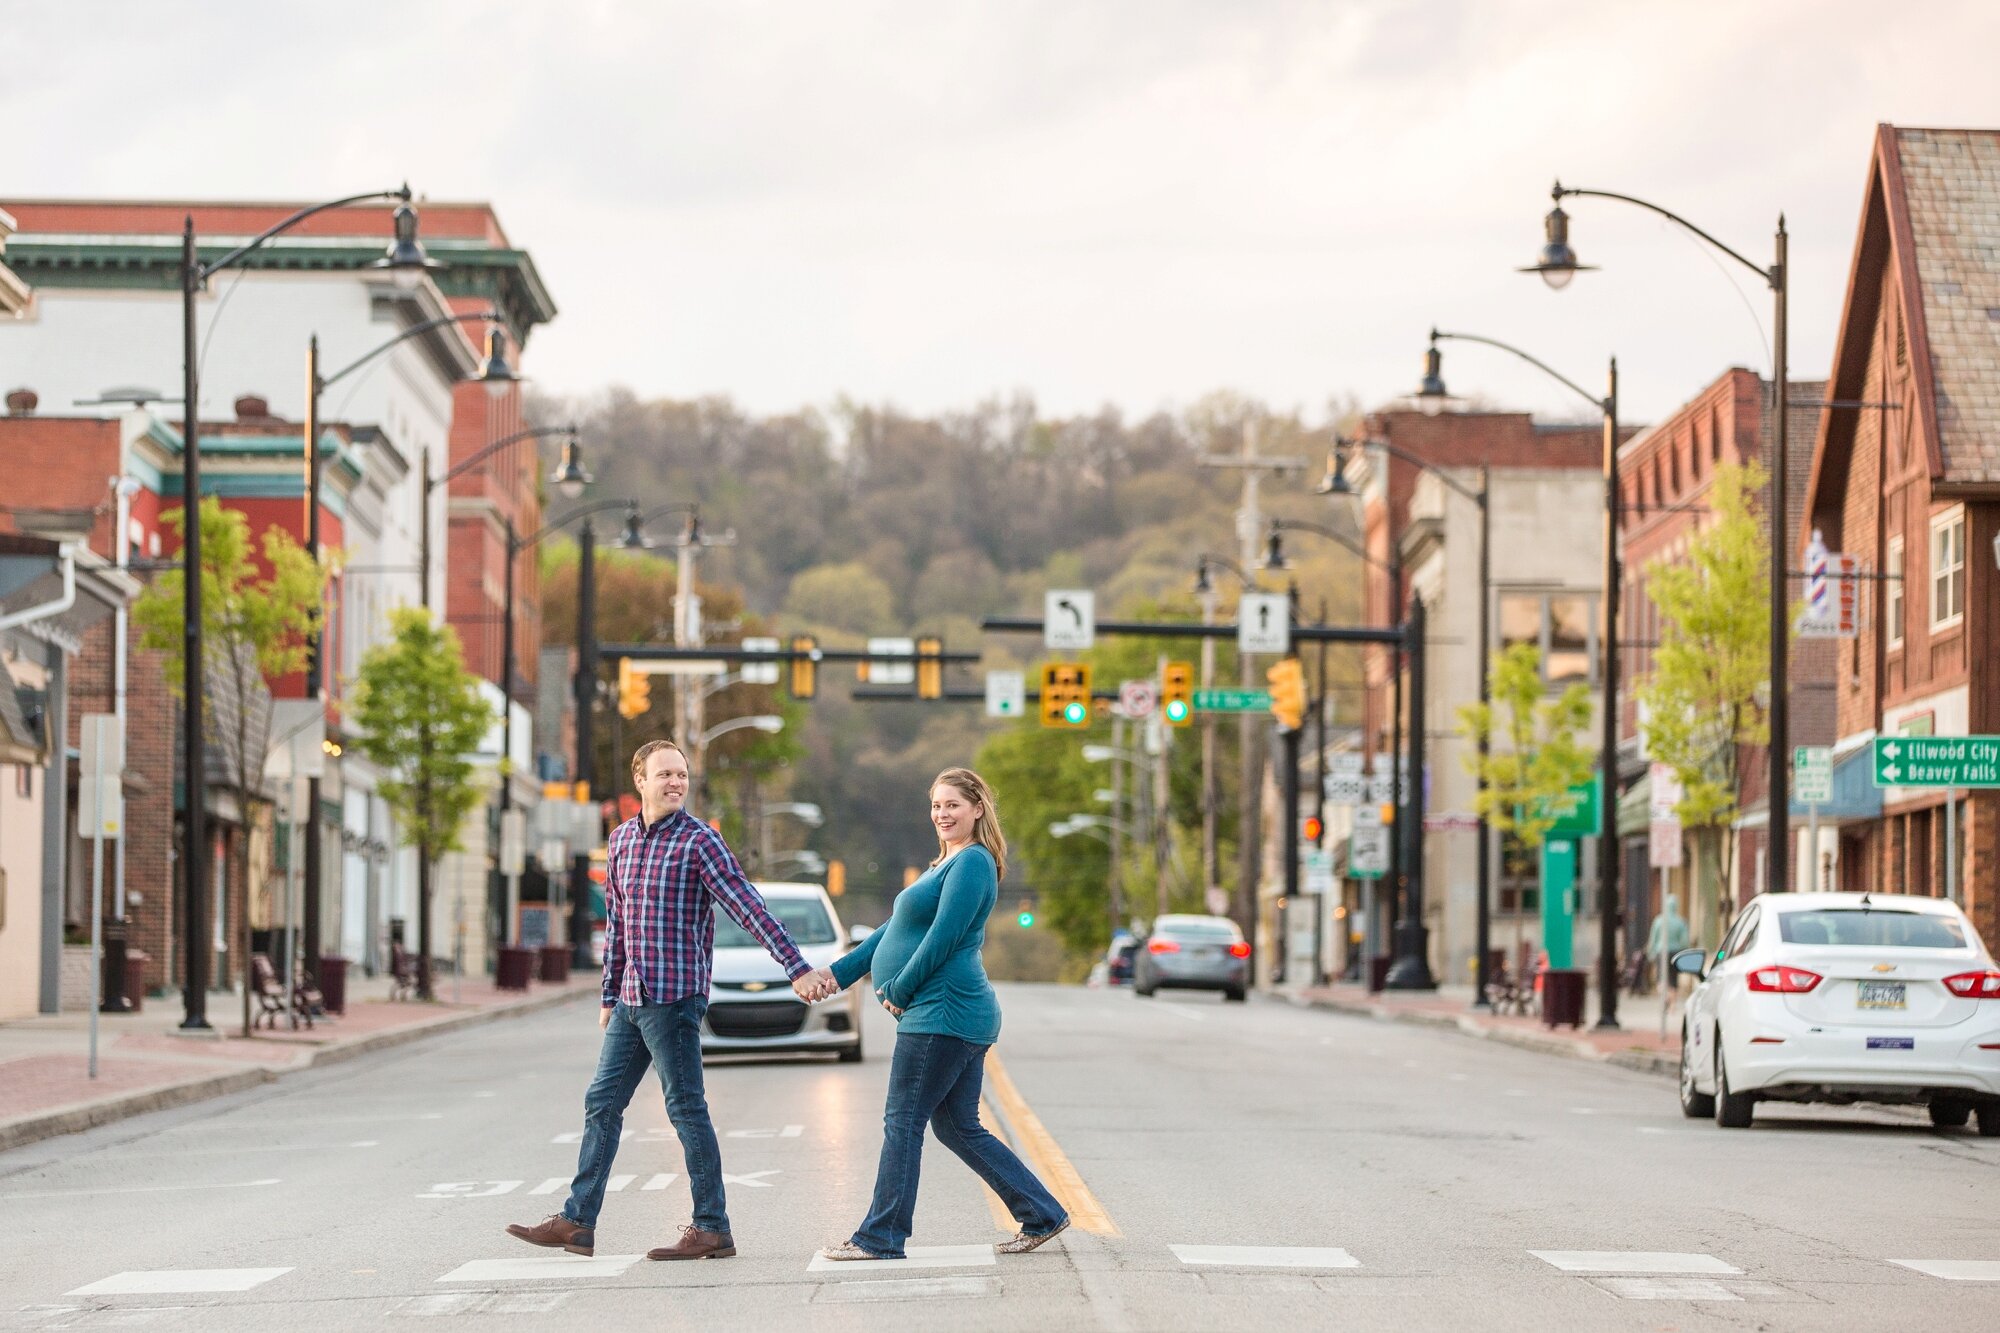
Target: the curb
(1660, 1063)
(23, 1130)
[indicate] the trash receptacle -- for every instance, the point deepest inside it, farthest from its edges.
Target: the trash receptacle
(1378, 973)
(333, 983)
(134, 979)
(1562, 997)
(513, 968)
(111, 980)
(555, 962)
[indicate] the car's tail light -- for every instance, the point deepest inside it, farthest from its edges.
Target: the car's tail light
(1783, 980)
(1162, 946)
(1975, 985)
(1239, 950)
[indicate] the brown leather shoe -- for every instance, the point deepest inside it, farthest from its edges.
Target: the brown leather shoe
(557, 1233)
(697, 1244)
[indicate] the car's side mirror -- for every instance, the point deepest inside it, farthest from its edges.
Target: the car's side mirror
(1689, 961)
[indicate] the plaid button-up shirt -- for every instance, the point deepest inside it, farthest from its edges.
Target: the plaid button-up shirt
(659, 940)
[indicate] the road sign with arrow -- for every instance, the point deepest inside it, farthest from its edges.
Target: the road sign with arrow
(1069, 618)
(1264, 623)
(1937, 761)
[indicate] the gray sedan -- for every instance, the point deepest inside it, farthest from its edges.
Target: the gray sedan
(1193, 953)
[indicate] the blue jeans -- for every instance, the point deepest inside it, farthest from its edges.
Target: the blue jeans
(667, 1037)
(936, 1079)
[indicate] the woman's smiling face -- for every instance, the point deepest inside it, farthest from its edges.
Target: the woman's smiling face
(951, 814)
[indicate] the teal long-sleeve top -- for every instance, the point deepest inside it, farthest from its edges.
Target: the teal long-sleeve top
(925, 958)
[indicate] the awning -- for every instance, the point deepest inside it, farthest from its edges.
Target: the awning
(1635, 808)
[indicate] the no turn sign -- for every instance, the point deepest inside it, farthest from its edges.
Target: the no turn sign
(1137, 698)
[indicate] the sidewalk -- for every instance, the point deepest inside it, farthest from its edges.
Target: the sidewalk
(1635, 1044)
(145, 1065)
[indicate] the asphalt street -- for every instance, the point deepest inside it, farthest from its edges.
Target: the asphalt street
(1230, 1167)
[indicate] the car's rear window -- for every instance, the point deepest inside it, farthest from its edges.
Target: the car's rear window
(1198, 930)
(1879, 930)
(804, 918)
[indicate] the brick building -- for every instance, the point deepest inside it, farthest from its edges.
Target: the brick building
(1907, 474)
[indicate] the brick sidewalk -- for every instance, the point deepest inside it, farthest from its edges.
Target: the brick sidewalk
(1636, 1043)
(145, 1065)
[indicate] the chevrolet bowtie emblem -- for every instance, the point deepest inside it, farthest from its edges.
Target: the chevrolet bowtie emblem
(753, 985)
(1885, 967)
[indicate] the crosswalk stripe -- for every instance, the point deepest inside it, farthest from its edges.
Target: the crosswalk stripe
(1265, 1256)
(161, 1281)
(541, 1268)
(1954, 1270)
(1635, 1261)
(916, 1256)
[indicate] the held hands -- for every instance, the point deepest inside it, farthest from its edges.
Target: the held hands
(817, 985)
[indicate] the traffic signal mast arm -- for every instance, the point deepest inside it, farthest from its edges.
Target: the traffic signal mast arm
(1180, 629)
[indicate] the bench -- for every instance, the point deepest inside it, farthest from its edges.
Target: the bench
(404, 982)
(272, 1002)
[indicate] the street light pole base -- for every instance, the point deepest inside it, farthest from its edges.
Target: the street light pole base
(1608, 1025)
(1412, 969)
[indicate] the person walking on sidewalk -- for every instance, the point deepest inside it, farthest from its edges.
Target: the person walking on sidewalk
(664, 870)
(927, 972)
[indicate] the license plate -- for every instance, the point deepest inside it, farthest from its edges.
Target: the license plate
(1892, 1043)
(1880, 995)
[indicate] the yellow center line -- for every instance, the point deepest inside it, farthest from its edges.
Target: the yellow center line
(1045, 1155)
(1002, 1219)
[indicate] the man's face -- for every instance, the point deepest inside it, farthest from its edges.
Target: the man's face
(663, 786)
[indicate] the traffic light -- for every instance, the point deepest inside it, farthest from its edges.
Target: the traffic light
(1177, 694)
(1288, 693)
(635, 689)
(1065, 694)
(1025, 917)
(930, 668)
(836, 878)
(1311, 829)
(805, 669)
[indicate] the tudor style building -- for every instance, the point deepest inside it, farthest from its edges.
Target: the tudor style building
(1907, 475)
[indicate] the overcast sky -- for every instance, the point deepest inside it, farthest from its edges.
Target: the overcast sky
(929, 203)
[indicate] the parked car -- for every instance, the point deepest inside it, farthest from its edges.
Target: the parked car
(1844, 998)
(751, 1007)
(1193, 953)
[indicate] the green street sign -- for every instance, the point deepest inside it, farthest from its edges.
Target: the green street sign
(1577, 813)
(1232, 701)
(1937, 761)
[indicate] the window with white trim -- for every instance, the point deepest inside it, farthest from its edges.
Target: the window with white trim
(1892, 592)
(1948, 567)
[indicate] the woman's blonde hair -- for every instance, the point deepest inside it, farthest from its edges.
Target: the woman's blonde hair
(986, 828)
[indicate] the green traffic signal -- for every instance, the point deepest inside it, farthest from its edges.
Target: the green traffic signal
(1177, 709)
(1026, 919)
(1076, 713)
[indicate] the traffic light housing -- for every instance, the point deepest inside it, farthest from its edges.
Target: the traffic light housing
(1288, 693)
(930, 668)
(1065, 694)
(1177, 694)
(805, 669)
(635, 689)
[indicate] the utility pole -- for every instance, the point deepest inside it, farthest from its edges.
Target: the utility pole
(1211, 777)
(1250, 733)
(1118, 817)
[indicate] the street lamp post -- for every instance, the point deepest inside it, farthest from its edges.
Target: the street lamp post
(1610, 908)
(569, 478)
(1557, 263)
(1211, 776)
(405, 258)
(497, 375)
(687, 622)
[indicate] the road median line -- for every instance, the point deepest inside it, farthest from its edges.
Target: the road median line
(1033, 1141)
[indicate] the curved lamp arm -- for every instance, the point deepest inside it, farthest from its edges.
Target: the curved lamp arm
(327, 381)
(538, 432)
(1438, 335)
(1562, 192)
(202, 271)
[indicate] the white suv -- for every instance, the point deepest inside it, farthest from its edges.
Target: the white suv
(1844, 997)
(751, 1007)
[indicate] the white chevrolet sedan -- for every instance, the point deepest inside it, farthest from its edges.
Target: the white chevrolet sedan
(751, 1007)
(1843, 998)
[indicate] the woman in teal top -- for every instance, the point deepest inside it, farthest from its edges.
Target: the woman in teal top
(927, 972)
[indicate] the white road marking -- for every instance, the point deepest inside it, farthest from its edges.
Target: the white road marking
(1183, 1012)
(1954, 1270)
(472, 1189)
(539, 1268)
(616, 1183)
(481, 1094)
(143, 1189)
(162, 1280)
(553, 1183)
(660, 1181)
(656, 1135)
(754, 1179)
(1574, 1110)
(482, 1302)
(788, 1132)
(916, 1256)
(910, 1289)
(1633, 1261)
(1665, 1288)
(1265, 1256)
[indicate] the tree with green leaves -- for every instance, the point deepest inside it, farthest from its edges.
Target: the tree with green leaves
(421, 719)
(1707, 696)
(257, 621)
(1532, 755)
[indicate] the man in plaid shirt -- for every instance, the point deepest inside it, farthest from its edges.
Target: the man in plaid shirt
(664, 871)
